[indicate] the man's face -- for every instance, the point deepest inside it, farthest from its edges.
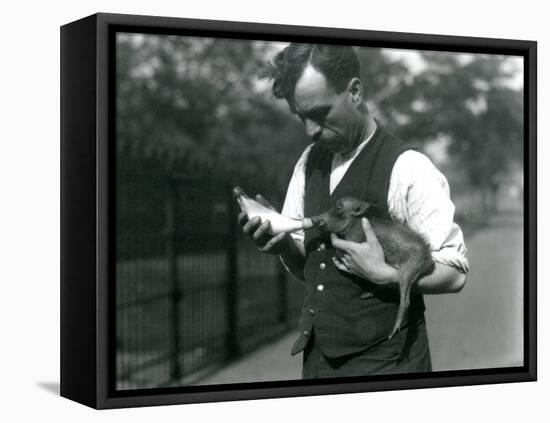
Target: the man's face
(331, 119)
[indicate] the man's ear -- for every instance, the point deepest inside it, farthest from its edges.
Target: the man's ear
(355, 90)
(361, 209)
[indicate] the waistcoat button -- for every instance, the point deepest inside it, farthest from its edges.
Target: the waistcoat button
(322, 266)
(320, 287)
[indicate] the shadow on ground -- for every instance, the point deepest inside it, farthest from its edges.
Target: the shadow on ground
(51, 387)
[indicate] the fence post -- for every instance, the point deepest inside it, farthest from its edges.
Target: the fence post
(232, 299)
(172, 258)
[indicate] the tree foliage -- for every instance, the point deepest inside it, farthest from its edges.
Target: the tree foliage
(198, 101)
(466, 100)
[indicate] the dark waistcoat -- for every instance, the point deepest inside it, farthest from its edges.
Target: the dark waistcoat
(348, 313)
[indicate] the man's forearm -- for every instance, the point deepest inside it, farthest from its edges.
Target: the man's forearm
(294, 258)
(443, 280)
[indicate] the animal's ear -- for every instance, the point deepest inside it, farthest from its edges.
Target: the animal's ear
(360, 209)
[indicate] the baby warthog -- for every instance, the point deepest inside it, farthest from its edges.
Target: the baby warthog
(403, 248)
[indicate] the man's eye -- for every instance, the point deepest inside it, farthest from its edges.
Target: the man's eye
(319, 116)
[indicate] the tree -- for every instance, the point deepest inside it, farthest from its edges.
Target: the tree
(198, 101)
(198, 98)
(468, 101)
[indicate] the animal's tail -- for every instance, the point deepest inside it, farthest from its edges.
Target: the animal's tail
(408, 274)
(404, 301)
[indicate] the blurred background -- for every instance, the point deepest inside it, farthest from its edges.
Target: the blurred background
(195, 302)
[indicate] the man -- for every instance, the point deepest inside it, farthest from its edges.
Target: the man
(350, 304)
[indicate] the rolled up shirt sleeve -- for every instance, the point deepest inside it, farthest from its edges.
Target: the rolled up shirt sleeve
(294, 201)
(419, 198)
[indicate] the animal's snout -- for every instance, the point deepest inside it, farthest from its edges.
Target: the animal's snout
(323, 227)
(320, 221)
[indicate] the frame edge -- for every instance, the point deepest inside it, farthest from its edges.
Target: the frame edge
(78, 212)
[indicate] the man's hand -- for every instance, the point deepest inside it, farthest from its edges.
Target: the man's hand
(258, 232)
(365, 259)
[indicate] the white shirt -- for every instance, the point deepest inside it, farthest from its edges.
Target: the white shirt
(418, 197)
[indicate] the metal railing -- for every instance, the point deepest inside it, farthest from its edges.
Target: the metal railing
(191, 292)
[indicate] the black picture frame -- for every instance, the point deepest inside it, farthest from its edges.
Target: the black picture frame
(87, 198)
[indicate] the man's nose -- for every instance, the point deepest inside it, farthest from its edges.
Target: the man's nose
(313, 129)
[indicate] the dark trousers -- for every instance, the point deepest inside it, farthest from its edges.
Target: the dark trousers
(407, 352)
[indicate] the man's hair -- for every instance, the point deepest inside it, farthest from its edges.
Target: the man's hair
(339, 64)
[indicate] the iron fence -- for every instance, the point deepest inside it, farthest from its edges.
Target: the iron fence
(191, 292)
